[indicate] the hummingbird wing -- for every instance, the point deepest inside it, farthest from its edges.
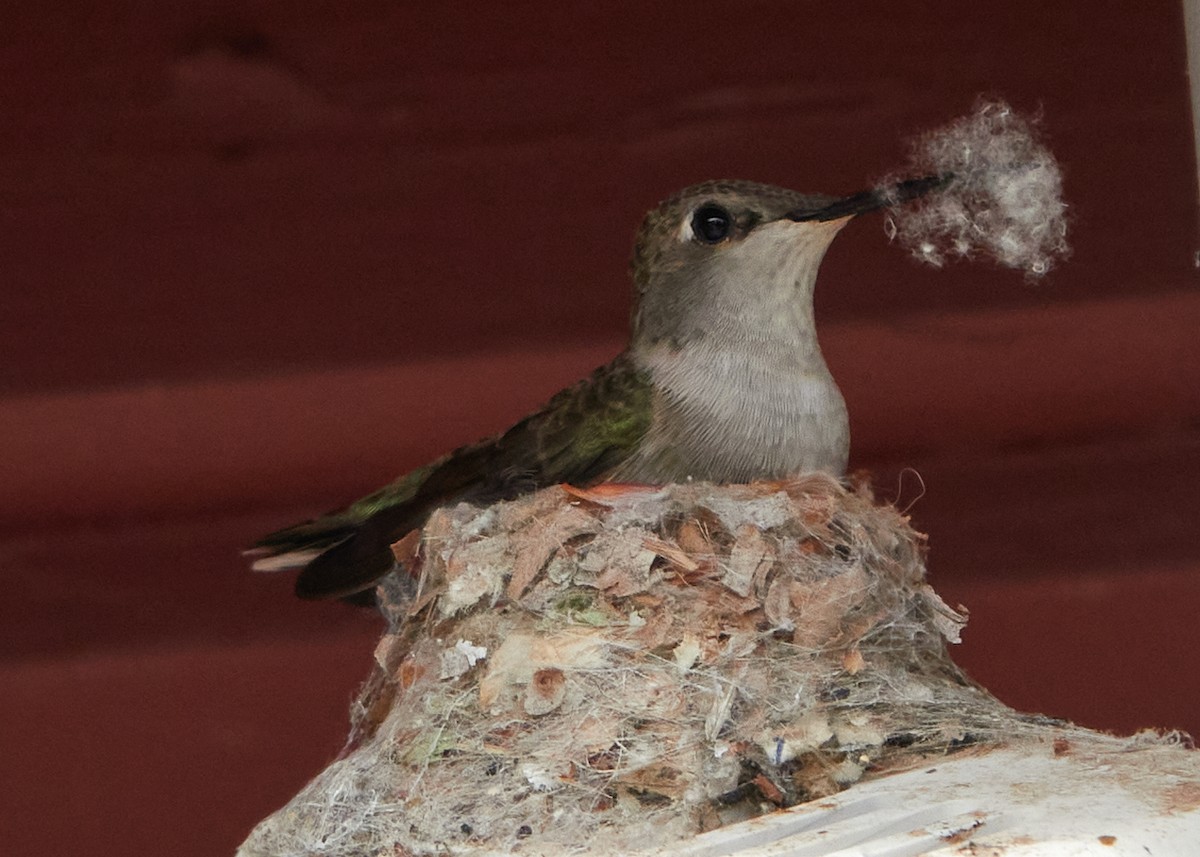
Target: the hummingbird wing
(579, 436)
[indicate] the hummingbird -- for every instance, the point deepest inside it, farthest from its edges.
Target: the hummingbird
(722, 380)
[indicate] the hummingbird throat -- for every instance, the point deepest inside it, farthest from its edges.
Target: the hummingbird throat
(749, 395)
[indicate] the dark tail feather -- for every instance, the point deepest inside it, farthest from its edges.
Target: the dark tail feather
(363, 555)
(356, 563)
(297, 546)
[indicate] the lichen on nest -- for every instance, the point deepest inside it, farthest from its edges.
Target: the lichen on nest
(612, 669)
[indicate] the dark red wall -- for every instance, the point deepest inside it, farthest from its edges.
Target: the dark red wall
(260, 257)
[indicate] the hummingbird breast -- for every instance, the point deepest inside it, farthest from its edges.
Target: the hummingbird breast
(738, 414)
(728, 338)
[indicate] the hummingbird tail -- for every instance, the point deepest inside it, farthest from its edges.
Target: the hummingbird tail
(345, 552)
(296, 546)
(579, 436)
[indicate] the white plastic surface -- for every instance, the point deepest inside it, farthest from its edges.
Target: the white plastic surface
(1003, 803)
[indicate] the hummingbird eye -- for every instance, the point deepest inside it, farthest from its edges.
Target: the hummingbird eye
(711, 224)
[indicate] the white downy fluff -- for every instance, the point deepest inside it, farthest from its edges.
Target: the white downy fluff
(1003, 199)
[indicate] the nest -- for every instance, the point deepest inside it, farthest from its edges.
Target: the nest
(620, 668)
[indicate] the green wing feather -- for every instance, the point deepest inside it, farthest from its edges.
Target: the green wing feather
(579, 436)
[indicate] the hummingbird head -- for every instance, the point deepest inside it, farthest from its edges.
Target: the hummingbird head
(738, 258)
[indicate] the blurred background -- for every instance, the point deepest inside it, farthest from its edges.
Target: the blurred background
(259, 258)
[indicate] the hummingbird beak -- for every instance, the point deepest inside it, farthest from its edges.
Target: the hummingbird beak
(869, 200)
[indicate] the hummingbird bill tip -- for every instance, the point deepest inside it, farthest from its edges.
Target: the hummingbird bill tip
(864, 201)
